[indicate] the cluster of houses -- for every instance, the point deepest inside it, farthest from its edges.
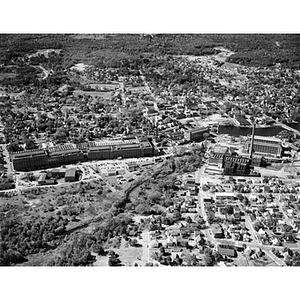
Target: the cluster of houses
(187, 232)
(270, 206)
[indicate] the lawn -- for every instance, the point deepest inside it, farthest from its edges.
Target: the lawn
(129, 256)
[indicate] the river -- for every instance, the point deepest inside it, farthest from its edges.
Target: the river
(295, 126)
(267, 131)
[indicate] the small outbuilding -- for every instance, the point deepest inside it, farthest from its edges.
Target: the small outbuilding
(70, 175)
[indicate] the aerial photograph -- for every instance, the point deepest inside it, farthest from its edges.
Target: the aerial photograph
(150, 150)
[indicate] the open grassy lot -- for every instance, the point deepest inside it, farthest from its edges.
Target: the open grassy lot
(101, 261)
(129, 256)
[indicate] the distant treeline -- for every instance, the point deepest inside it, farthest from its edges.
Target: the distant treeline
(251, 49)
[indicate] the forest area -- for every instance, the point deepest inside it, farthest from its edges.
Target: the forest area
(250, 49)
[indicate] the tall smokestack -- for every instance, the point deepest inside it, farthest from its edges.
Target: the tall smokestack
(252, 140)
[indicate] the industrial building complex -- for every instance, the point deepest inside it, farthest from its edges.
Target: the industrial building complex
(224, 161)
(150, 150)
(268, 146)
(70, 153)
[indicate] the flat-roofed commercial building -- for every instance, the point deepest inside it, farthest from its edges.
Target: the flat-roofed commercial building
(70, 175)
(265, 145)
(196, 134)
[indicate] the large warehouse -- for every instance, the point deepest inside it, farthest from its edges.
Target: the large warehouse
(265, 145)
(196, 134)
(70, 154)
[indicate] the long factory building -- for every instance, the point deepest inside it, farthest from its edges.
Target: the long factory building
(52, 157)
(268, 146)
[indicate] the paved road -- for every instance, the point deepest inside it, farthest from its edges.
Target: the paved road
(147, 87)
(8, 164)
(286, 218)
(123, 97)
(91, 172)
(250, 227)
(277, 260)
(46, 72)
(145, 244)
